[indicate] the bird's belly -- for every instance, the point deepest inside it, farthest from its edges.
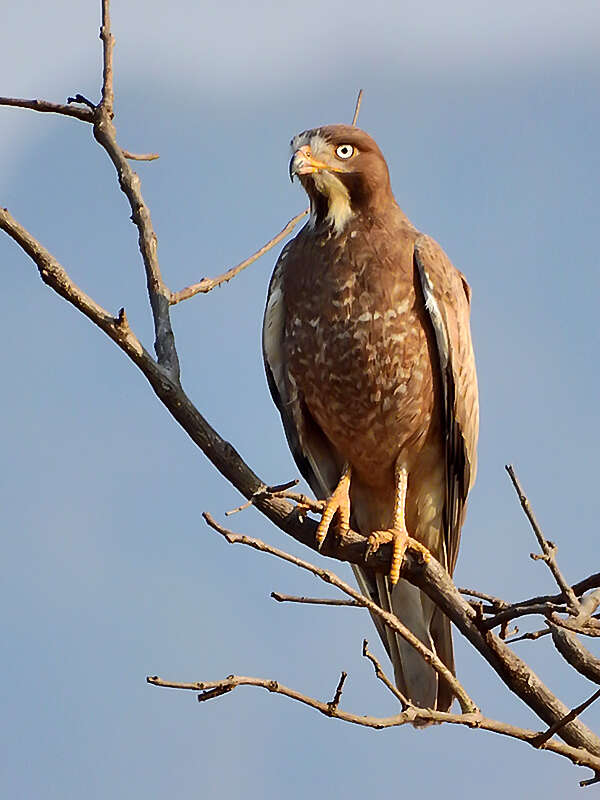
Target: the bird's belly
(368, 384)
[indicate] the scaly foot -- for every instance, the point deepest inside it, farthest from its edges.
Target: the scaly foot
(337, 506)
(399, 537)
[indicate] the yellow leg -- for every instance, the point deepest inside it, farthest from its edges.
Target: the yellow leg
(338, 504)
(397, 533)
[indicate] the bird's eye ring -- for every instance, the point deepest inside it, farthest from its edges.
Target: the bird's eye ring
(344, 151)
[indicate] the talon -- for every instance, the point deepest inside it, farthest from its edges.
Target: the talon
(338, 506)
(399, 537)
(375, 540)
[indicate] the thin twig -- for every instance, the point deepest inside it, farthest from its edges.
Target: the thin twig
(278, 488)
(531, 636)
(514, 612)
(547, 550)
(579, 588)
(590, 627)
(575, 712)
(108, 43)
(317, 601)
(333, 706)
(79, 98)
(54, 275)
(380, 674)
(303, 500)
(82, 114)
(263, 491)
(430, 577)
(576, 755)
(489, 598)
(140, 156)
(106, 135)
(357, 107)
(541, 604)
(467, 705)
(207, 284)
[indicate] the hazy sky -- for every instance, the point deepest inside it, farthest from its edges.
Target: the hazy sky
(488, 116)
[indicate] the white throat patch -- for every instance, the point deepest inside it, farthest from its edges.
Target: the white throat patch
(338, 199)
(339, 210)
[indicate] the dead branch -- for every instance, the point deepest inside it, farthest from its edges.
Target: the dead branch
(580, 745)
(495, 602)
(352, 547)
(106, 135)
(82, 114)
(548, 550)
(211, 689)
(333, 706)
(436, 583)
(317, 601)
(140, 156)
(466, 704)
(578, 656)
(357, 107)
(207, 284)
(380, 675)
(575, 712)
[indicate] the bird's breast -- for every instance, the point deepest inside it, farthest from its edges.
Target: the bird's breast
(358, 354)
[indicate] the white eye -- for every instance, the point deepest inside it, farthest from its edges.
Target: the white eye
(344, 151)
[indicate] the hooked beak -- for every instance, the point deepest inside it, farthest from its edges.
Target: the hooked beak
(302, 163)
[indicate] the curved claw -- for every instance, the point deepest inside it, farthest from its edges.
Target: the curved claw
(399, 537)
(338, 504)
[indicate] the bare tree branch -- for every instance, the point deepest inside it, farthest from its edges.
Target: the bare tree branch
(83, 114)
(430, 576)
(380, 674)
(316, 601)
(278, 490)
(578, 656)
(333, 706)
(108, 43)
(489, 598)
(211, 689)
(140, 156)
(466, 704)
(106, 135)
(575, 712)
(547, 550)
(207, 284)
(53, 274)
(582, 746)
(357, 107)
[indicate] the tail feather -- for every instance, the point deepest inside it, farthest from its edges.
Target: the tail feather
(415, 610)
(442, 639)
(413, 676)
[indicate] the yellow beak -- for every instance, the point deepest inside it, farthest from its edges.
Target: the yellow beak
(303, 163)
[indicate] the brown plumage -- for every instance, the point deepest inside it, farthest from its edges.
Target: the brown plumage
(368, 355)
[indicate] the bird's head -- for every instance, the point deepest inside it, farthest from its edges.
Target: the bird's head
(343, 172)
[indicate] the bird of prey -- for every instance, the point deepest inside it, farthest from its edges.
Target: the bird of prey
(368, 356)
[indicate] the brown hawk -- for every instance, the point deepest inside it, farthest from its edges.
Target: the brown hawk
(368, 355)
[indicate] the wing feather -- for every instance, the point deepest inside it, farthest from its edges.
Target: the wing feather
(311, 450)
(447, 300)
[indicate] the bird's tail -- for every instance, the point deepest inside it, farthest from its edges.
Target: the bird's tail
(414, 677)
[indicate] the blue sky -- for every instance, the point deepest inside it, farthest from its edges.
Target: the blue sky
(489, 121)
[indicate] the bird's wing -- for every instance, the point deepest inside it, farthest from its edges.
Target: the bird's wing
(447, 299)
(311, 450)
